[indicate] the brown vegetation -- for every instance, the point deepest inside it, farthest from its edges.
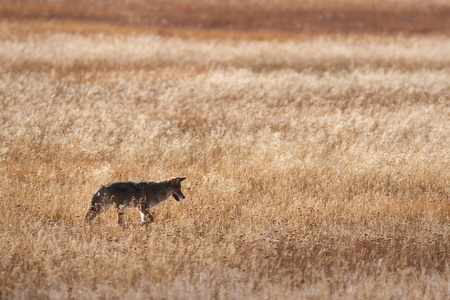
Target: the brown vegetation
(317, 166)
(323, 16)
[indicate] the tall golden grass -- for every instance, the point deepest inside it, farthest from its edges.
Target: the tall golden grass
(318, 167)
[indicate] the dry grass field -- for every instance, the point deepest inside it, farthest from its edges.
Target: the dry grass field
(317, 165)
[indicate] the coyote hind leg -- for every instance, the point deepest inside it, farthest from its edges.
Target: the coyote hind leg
(120, 214)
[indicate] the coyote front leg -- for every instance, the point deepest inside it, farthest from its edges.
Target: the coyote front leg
(146, 216)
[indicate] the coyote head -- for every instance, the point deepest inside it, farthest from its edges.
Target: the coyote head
(175, 185)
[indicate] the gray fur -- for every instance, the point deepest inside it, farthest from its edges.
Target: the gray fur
(143, 195)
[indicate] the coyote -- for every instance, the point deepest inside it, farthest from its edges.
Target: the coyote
(142, 195)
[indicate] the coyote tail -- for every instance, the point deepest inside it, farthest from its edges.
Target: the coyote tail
(94, 207)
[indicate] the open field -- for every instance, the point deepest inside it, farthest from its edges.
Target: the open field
(307, 16)
(317, 164)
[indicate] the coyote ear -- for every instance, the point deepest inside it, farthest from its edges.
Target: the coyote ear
(177, 179)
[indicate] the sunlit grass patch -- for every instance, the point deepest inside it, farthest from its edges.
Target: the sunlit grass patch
(315, 168)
